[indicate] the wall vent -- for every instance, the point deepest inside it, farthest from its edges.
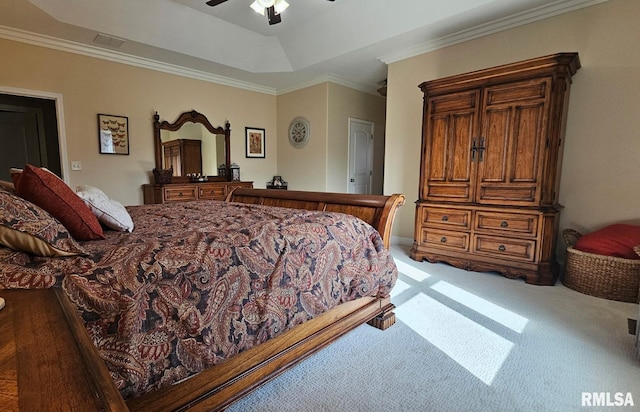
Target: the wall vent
(109, 41)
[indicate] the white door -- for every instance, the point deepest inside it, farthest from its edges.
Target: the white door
(360, 156)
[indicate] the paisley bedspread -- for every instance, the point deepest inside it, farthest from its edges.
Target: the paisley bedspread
(198, 282)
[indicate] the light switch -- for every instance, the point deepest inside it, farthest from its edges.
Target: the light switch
(76, 165)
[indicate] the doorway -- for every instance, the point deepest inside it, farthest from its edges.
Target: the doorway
(29, 132)
(360, 156)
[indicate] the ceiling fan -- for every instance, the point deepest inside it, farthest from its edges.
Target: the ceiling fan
(273, 8)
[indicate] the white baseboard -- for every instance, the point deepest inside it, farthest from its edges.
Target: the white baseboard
(401, 241)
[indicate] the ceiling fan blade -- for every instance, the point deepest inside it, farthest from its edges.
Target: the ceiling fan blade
(215, 2)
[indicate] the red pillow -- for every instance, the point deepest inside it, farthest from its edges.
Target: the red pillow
(48, 191)
(615, 240)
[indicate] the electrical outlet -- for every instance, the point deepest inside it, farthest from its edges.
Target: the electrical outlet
(76, 165)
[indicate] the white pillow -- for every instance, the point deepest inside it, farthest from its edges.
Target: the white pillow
(110, 212)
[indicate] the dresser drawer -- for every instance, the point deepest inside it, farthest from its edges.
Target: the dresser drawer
(508, 224)
(233, 185)
(446, 218)
(445, 239)
(180, 193)
(212, 192)
(513, 249)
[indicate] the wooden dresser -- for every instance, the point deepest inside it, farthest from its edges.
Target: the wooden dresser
(490, 168)
(47, 360)
(182, 192)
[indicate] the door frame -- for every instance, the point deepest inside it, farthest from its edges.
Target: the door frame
(62, 136)
(371, 151)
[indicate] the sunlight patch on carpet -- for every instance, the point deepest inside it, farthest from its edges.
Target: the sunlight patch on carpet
(399, 288)
(413, 272)
(499, 314)
(474, 347)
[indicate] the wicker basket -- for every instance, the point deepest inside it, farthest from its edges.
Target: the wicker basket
(602, 276)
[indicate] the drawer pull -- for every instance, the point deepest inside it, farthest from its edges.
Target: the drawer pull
(504, 223)
(180, 194)
(445, 218)
(443, 239)
(502, 248)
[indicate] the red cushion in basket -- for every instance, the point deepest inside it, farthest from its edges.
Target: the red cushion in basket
(615, 240)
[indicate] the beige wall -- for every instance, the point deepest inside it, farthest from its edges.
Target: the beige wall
(346, 103)
(304, 168)
(89, 86)
(601, 169)
(322, 164)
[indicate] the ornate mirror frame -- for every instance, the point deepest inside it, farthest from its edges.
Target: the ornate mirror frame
(193, 117)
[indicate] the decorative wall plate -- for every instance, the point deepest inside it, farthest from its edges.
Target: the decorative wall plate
(299, 132)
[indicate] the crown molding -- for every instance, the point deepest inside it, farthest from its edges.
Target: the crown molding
(41, 40)
(515, 20)
(329, 78)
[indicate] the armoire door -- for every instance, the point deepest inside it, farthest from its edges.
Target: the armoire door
(511, 143)
(172, 158)
(451, 123)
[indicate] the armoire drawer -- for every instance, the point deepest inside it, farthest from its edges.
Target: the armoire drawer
(509, 224)
(212, 192)
(446, 218)
(499, 247)
(445, 239)
(180, 193)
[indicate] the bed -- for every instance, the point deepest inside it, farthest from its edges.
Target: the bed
(151, 336)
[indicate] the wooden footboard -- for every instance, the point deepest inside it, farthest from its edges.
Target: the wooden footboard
(219, 386)
(377, 210)
(216, 388)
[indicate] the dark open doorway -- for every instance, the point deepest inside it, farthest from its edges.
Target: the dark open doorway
(28, 134)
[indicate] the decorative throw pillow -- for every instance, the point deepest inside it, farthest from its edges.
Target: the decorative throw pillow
(25, 227)
(48, 191)
(8, 186)
(110, 212)
(15, 174)
(614, 240)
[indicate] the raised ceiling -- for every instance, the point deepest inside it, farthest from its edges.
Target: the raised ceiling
(347, 41)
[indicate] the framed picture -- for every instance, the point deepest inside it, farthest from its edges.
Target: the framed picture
(254, 142)
(113, 134)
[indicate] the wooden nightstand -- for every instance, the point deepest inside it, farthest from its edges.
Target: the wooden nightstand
(41, 364)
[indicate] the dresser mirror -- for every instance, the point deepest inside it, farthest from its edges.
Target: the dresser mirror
(192, 146)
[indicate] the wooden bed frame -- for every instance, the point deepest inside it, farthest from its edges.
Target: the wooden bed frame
(217, 387)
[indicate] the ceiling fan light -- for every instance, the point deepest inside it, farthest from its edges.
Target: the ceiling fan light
(257, 7)
(265, 3)
(280, 6)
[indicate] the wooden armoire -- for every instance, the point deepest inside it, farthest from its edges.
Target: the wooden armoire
(183, 155)
(490, 168)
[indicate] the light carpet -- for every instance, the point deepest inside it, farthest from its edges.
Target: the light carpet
(467, 341)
